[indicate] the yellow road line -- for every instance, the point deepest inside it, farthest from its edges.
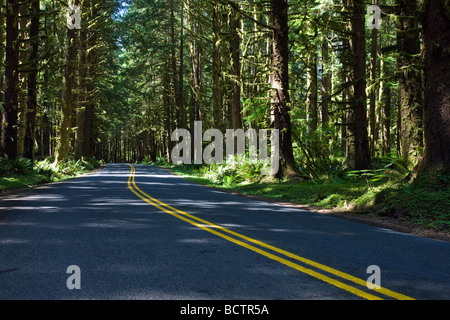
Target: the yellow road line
(206, 225)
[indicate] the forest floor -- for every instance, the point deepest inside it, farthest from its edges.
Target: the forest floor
(22, 174)
(419, 208)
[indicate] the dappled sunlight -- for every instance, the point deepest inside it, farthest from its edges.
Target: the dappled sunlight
(13, 241)
(280, 230)
(233, 225)
(195, 241)
(40, 197)
(114, 202)
(157, 176)
(83, 187)
(40, 208)
(390, 231)
(204, 203)
(158, 183)
(112, 181)
(113, 223)
(18, 223)
(127, 248)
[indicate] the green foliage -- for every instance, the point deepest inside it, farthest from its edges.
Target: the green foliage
(255, 110)
(160, 161)
(385, 169)
(233, 171)
(5, 165)
(382, 190)
(425, 201)
(19, 166)
(23, 172)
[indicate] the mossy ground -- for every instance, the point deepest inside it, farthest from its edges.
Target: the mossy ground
(423, 203)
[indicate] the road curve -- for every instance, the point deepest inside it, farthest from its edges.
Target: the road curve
(139, 232)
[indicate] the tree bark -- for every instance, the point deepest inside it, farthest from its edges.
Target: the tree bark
(326, 84)
(32, 82)
(410, 82)
(62, 150)
(22, 91)
(216, 69)
(325, 103)
(280, 87)
(82, 96)
(311, 98)
(236, 119)
(2, 54)
(386, 111)
(9, 121)
(181, 71)
(361, 140)
(436, 39)
(89, 115)
(175, 71)
(372, 94)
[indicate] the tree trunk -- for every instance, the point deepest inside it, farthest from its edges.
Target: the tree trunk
(216, 91)
(196, 70)
(311, 100)
(32, 82)
(182, 123)
(167, 112)
(62, 150)
(386, 133)
(280, 87)
(436, 41)
(326, 84)
(410, 82)
(361, 140)
(175, 70)
(325, 90)
(9, 121)
(372, 93)
(236, 73)
(89, 115)
(82, 96)
(22, 91)
(2, 53)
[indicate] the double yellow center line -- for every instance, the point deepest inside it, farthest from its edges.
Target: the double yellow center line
(262, 248)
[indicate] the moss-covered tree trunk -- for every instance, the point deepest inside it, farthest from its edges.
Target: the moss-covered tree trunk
(410, 82)
(65, 127)
(32, 82)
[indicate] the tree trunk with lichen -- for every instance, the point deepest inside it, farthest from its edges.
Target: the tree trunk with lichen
(65, 127)
(410, 82)
(32, 82)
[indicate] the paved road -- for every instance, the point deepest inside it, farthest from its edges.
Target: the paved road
(139, 232)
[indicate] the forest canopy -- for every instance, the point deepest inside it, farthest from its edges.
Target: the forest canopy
(348, 83)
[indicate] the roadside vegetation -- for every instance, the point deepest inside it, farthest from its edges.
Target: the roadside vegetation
(385, 191)
(22, 172)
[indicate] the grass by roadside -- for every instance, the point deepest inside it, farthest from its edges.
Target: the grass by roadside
(381, 197)
(22, 173)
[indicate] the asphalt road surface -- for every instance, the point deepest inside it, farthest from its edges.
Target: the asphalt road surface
(139, 232)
